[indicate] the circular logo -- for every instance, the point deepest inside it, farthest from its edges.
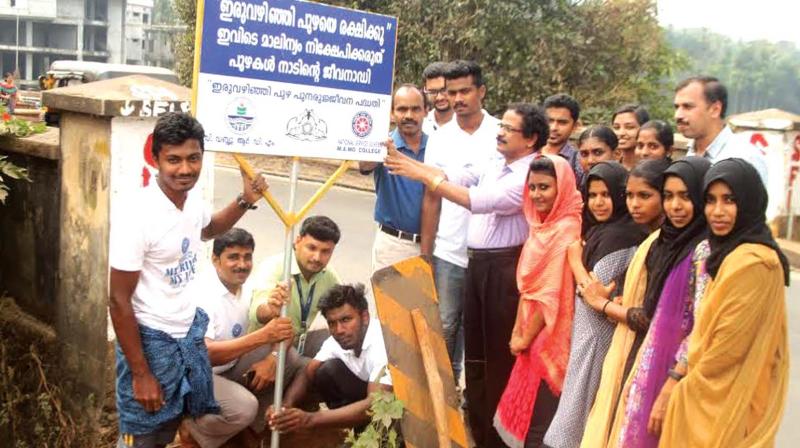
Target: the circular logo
(236, 331)
(362, 124)
(240, 115)
(185, 245)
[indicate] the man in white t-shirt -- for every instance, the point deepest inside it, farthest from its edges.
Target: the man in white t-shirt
(243, 364)
(156, 236)
(466, 142)
(350, 366)
(441, 111)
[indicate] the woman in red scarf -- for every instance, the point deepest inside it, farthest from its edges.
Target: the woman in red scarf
(541, 335)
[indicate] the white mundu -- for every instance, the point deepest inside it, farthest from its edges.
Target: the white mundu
(150, 235)
(451, 148)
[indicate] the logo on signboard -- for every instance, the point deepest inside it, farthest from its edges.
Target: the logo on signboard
(240, 115)
(362, 124)
(307, 127)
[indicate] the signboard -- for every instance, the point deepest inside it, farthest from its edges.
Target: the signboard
(294, 78)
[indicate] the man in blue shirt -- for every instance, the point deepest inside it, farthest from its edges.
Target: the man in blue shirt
(399, 200)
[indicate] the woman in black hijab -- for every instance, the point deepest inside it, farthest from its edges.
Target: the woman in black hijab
(734, 392)
(610, 242)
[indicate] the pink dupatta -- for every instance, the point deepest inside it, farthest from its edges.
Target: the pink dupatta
(546, 285)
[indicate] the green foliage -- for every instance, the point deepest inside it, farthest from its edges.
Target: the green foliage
(18, 128)
(384, 411)
(184, 43)
(758, 74)
(605, 53)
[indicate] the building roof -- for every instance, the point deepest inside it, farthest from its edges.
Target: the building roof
(772, 119)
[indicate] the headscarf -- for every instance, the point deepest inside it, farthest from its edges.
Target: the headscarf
(674, 244)
(546, 285)
(751, 220)
(619, 232)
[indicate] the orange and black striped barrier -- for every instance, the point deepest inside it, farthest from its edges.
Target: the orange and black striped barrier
(418, 361)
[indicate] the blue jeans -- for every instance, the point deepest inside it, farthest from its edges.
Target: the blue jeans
(449, 281)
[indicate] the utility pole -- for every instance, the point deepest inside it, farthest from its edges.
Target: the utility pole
(16, 54)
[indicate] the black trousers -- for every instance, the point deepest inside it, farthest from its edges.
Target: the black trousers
(543, 412)
(337, 385)
(490, 308)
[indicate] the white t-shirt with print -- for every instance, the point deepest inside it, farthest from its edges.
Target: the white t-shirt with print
(451, 148)
(227, 312)
(369, 364)
(150, 235)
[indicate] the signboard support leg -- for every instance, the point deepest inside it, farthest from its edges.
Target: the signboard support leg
(435, 385)
(287, 269)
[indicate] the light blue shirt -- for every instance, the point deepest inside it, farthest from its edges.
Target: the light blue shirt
(726, 145)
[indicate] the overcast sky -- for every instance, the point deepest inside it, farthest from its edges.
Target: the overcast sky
(773, 20)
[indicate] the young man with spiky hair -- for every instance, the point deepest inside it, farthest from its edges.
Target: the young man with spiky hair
(156, 236)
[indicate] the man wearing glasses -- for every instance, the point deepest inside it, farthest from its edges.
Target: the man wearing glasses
(441, 112)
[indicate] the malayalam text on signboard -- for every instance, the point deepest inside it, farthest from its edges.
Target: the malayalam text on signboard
(295, 79)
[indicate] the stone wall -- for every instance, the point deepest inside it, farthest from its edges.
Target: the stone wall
(29, 225)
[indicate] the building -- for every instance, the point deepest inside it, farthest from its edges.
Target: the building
(33, 33)
(147, 42)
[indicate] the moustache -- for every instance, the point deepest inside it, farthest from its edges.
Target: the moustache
(681, 122)
(241, 271)
(459, 104)
(408, 122)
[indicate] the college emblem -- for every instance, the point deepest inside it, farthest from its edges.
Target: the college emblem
(240, 115)
(236, 331)
(362, 124)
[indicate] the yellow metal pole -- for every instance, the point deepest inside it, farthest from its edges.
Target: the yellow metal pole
(267, 195)
(297, 217)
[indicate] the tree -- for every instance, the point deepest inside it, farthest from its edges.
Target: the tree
(758, 74)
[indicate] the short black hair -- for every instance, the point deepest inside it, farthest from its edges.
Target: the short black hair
(174, 128)
(713, 90)
(233, 237)
(341, 295)
(638, 111)
(601, 132)
(544, 165)
(663, 130)
(321, 228)
(461, 69)
(434, 70)
(534, 122)
(565, 101)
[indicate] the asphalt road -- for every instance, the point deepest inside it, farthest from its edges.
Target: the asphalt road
(352, 211)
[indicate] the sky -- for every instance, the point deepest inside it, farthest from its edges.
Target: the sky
(746, 20)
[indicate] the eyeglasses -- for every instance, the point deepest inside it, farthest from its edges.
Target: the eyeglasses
(434, 92)
(508, 128)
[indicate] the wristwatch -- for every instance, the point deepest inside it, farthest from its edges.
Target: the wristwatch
(244, 205)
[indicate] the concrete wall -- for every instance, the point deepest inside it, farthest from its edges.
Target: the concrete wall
(30, 232)
(81, 298)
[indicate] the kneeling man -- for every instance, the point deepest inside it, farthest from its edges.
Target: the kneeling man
(243, 364)
(350, 366)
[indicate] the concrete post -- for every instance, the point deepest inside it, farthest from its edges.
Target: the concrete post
(104, 129)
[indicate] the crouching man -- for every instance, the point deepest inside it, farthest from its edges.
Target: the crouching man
(243, 364)
(350, 366)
